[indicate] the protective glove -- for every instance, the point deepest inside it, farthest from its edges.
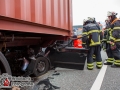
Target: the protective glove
(113, 46)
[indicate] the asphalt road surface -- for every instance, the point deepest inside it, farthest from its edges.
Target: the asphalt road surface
(106, 78)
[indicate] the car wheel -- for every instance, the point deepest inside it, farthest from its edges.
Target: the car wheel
(41, 67)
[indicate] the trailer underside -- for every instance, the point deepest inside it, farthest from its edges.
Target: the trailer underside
(11, 24)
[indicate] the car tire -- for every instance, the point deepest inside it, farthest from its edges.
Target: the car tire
(41, 67)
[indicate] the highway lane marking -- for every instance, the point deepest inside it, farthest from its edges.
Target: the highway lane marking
(98, 82)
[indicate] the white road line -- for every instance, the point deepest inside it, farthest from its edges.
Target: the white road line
(98, 82)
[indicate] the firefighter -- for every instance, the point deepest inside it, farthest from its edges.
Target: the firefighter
(91, 35)
(94, 21)
(115, 37)
(106, 43)
(84, 23)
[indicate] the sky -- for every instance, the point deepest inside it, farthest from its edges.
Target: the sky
(93, 8)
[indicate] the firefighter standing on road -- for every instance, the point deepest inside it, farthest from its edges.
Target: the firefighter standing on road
(115, 37)
(91, 34)
(106, 43)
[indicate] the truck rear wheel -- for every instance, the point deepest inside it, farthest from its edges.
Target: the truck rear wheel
(41, 67)
(4, 65)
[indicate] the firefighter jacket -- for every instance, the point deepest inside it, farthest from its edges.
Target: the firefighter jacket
(92, 34)
(115, 31)
(107, 32)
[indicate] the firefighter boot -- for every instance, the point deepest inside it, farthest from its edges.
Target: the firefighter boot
(116, 64)
(98, 65)
(90, 66)
(109, 61)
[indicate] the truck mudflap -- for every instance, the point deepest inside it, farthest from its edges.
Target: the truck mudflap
(69, 57)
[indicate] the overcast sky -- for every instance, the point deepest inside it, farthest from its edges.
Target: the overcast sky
(94, 8)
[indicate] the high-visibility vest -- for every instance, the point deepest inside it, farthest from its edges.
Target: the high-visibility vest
(77, 43)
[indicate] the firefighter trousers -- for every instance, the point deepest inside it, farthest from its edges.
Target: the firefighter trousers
(97, 51)
(116, 54)
(109, 52)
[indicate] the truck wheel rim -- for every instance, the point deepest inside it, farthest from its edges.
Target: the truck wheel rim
(40, 66)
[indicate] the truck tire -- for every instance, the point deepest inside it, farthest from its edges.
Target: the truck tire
(41, 67)
(4, 65)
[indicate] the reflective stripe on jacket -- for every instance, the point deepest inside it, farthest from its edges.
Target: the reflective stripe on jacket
(115, 31)
(93, 31)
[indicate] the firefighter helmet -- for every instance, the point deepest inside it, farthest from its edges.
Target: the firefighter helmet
(109, 13)
(91, 19)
